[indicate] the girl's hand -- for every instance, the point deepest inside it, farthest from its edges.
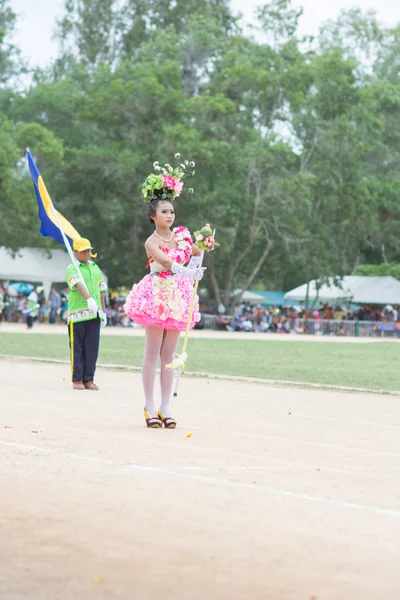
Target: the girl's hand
(192, 274)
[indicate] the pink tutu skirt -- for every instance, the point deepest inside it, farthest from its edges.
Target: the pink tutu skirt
(162, 302)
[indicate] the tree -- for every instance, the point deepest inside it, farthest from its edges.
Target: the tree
(382, 270)
(15, 215)
(87, 31)
(295, 141)
(9, 56)
(94, 31)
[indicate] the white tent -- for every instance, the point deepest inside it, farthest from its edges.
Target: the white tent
(352, 288)
(250, 297)
(34, 265)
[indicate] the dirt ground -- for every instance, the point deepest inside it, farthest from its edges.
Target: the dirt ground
(279, 494)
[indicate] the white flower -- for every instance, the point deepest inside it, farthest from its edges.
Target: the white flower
(155, 164)
(199, 238)
(192, 163)
(179, 360)
(177, 155)
(190, 190)
(177, 315)
(157, 284)
(157, 168)
(177, 309)
(182, 166)
(170, 283)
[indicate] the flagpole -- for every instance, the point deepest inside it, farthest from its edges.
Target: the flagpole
(186, 338)
(68, 247)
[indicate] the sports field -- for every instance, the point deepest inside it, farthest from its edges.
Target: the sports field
(278, 494)
(361, 365)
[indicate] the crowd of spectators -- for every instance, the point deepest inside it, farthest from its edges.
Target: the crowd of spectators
(17, 307)
(34, 306)
(287, 319)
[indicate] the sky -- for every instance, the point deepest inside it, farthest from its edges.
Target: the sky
(36, 21)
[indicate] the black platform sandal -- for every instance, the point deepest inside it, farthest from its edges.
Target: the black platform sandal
(152, 422)
(169, 422)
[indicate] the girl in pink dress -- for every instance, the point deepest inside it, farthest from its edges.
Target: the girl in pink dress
(161, 300)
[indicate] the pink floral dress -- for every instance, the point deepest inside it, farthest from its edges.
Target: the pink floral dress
(162, 299)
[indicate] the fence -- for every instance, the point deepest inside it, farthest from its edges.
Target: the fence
(349, 328)
(327, 327)
(210, 321)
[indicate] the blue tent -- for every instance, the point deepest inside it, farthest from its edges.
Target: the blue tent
(274, 298)
(21, 287)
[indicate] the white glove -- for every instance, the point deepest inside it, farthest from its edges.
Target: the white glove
(104, 320)
(193, 274)
(92, 306)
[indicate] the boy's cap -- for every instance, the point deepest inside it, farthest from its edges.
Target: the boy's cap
(82, 244)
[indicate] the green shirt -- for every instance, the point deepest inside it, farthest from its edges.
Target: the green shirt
(94, 279)
(33, 308)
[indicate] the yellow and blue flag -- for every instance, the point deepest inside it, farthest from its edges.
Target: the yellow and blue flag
(49, 227)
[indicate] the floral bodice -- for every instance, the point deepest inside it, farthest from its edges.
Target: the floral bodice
(181, 254)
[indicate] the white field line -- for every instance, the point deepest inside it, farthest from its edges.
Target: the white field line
(258, 488)
(200, 374)
(217, 432)
(284, 464)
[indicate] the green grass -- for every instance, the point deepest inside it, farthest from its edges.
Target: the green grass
(358, 365)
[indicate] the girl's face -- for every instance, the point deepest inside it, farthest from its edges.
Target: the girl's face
(165, 214)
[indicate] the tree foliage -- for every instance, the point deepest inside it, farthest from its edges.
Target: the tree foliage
(381, 270)
(296, 141)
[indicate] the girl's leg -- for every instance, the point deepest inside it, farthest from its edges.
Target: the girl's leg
(168, 347)
(154, 338)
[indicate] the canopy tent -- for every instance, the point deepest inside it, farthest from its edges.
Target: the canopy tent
(274, 298)
(34, 265)
(250, 297)
(352, 288)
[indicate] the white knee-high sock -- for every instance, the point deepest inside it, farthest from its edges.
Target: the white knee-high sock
(168, 348)
(154, 338)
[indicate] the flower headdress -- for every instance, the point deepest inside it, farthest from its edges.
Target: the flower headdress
(168, 181)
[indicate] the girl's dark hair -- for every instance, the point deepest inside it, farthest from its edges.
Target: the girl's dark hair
(152, 205)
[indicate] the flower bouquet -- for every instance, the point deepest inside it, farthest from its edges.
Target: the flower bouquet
(205, 238)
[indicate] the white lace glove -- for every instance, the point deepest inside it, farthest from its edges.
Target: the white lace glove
(104, 320)
(92, 306)
(193, 274)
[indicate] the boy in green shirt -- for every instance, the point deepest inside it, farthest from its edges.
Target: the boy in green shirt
(86, 311)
